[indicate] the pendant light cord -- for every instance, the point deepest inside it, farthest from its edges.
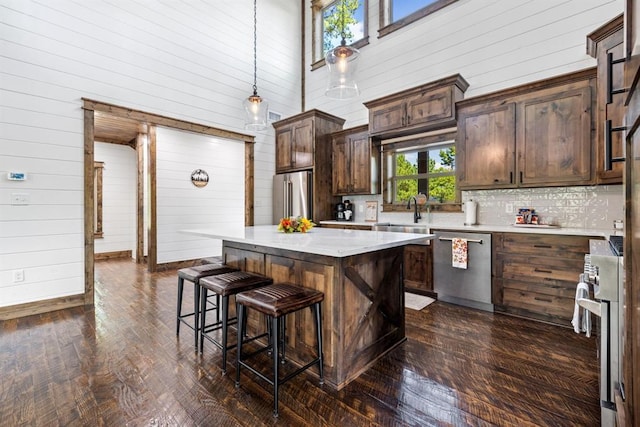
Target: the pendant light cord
(342, 26)
(255, 48)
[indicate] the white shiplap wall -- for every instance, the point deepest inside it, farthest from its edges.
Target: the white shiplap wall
(493, 44)
(191, 60)
(119, 187)
(181, 205)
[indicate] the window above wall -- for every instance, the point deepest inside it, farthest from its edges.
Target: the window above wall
(395, 14)
(327, 26)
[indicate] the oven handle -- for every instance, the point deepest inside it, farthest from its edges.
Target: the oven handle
(591, 305)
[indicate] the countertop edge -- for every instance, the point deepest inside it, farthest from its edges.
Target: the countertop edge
(560, 231)
(292, 241)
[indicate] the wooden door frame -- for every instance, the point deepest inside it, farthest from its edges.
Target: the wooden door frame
(90, 107)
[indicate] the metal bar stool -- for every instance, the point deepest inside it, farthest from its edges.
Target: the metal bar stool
(223, 286)
(276, 301)
(194, 274)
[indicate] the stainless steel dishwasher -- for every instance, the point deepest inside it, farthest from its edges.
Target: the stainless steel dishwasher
(469, 287)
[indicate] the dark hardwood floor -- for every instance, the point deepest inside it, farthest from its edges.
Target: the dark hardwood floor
(121, 363)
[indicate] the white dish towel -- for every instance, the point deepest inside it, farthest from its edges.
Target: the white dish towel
(581, 317)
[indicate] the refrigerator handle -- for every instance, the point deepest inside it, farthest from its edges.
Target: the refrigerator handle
(285, 198)
(289, 199)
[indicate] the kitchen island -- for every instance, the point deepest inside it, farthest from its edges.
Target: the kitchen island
(360, 274)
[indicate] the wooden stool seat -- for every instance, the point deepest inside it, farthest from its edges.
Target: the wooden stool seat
(276, 301)
(223, 286)
(193, 275)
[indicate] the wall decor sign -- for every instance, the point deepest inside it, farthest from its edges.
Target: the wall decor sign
(199, 178)
(371, 211)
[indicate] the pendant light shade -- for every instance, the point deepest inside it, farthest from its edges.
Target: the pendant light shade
(342, 63)
(256, 108)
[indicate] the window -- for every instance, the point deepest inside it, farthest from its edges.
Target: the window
(395, 14)
(421, 165)
(328, 23)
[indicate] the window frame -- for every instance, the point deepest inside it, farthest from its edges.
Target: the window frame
(387, 27)
(317, 31)
(389, 150)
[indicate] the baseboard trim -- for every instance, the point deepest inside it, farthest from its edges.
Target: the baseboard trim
(176, 265)
(112, 255)
(39, 307)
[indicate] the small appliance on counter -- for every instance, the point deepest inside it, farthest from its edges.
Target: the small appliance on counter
(348, 210)
(340, 212)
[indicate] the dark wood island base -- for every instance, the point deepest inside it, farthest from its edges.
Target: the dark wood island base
(363, 309)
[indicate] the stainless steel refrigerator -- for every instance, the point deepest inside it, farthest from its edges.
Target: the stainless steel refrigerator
(292, 195)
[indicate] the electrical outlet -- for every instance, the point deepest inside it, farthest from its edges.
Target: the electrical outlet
(18, 276)
(19, 198)
(508, 208)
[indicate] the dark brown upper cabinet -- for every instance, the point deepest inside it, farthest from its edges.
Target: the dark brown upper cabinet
(422, 108)
(300, 138)
(356, 168)
(606, 45)
(534, 135)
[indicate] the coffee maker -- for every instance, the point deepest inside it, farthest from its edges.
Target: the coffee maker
(348, 210)
(339, 211)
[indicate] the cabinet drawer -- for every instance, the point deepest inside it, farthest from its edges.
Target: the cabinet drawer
(542, 304)
(542, 269)
(574, 247)
(557, 289)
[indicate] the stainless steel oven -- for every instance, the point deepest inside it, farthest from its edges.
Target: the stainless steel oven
(605, 271)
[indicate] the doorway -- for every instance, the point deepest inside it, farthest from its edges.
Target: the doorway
(113, 123)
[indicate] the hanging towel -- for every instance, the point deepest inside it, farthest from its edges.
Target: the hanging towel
(581, 317)
(459, 253)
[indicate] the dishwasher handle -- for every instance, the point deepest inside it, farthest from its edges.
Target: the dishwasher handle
(449, 239)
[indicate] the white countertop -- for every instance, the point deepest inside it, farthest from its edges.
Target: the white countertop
(540, 229)
(321, 241)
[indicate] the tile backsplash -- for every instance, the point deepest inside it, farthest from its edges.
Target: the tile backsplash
(576, 207)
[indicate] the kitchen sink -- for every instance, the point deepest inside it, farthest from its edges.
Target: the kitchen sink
(401, 228)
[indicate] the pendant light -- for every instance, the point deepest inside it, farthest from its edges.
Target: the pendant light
(255, 107)
(342, 62)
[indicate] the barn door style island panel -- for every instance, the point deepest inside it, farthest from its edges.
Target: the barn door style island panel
(360, 273)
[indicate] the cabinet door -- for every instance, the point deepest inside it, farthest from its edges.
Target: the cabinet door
(554, 139)
(429, 106)
(294, 146)
(303, 144)
(485, 154)
(360, 163)
(613, 111)
(389, 116)
(284, 141)
(418, 269)
(340, 163)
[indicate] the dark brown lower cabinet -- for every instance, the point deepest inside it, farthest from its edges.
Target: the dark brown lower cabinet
(535, 275)
(418, 269)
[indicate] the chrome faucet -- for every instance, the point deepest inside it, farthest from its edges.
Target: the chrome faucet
(416, 212)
